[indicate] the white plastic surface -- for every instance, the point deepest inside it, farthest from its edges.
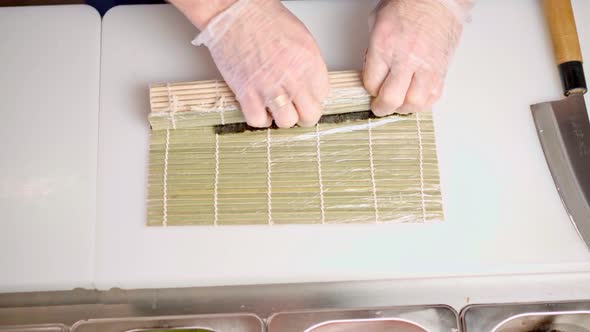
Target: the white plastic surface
(503, 214)
(49, 80)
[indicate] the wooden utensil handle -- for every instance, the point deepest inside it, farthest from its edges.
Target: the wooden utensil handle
(566, 45)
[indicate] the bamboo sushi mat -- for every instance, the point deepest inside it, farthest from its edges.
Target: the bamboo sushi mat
(362, 171)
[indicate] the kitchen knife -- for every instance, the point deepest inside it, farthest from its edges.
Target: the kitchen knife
(563, 126)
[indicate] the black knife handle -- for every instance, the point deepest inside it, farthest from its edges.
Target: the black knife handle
(572, 77)
(566, 46)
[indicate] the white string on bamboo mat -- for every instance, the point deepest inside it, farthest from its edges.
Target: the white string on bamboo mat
(216, 183)
(219, 103)
(172, 105)
(165, 188)
(268, 178)
(372, 166)
(320, 178)
(421, 165)
(219, 106)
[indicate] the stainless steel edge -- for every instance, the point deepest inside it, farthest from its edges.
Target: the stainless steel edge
(35, 328)
(217, 322)
(68, 307)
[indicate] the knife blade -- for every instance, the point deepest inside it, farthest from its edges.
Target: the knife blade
(563, 126)
(564, 131)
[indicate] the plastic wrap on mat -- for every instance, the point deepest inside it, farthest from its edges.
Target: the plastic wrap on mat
(359, 171)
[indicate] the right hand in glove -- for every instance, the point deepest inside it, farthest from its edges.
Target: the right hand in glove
(268, 58)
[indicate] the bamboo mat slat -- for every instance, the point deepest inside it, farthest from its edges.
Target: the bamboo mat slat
(208, 103)
(363, 171)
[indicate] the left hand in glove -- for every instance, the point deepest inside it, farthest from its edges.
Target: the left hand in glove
(411, 44)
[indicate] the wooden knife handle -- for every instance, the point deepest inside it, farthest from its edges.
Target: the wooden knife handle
(566, 45)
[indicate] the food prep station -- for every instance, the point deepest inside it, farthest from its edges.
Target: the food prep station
(76, 255)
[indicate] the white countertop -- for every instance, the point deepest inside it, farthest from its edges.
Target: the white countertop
(49, 74)
(503, 214)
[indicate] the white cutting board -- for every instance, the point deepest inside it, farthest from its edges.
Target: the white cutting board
(503, 214)
(49, 80)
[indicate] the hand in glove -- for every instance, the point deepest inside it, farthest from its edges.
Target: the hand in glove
(411, 44)
(270, 61)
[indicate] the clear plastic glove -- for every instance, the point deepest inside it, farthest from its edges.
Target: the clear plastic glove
(411, 44)
(270, 61)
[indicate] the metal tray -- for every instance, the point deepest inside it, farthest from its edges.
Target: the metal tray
(217, 323)
(436, 318)
(526, 317)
